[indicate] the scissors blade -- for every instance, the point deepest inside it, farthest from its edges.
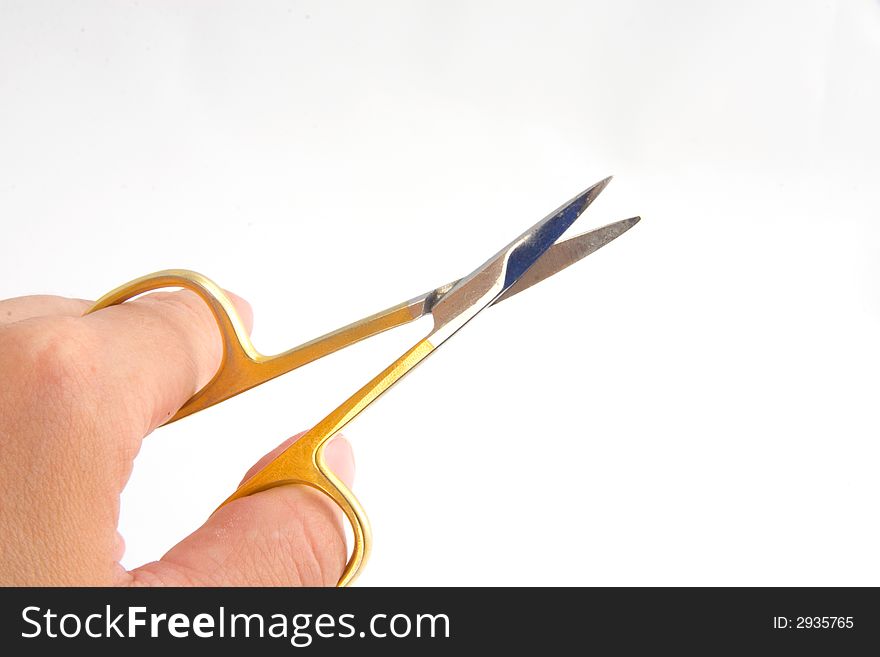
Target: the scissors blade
(479, 289)
(558, 257)
(566, 253)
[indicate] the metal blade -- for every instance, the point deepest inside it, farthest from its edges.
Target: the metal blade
(481, 287)
(558, 257)
(561, 255)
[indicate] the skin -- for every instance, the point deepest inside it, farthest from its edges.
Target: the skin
(77, 397)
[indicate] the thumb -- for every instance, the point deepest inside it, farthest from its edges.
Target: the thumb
(284, 536)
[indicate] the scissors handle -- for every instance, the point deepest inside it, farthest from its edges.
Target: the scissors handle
(303, 462)
(242, 367)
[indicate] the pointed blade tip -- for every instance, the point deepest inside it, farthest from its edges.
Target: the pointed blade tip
(602, 184)
(622, 226)
(590, 193)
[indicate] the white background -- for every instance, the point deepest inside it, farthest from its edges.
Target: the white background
(695, 404)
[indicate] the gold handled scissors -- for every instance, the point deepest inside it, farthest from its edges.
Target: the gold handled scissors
(529, 259)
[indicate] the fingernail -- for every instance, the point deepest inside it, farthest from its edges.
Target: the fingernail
(340, 458)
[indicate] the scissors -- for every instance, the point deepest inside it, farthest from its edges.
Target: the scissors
(527, 260)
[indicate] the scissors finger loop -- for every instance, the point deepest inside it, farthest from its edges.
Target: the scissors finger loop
(239, 357)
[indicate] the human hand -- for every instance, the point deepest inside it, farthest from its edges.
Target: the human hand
(77, 397)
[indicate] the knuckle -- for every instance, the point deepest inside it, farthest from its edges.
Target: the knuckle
(58, 361)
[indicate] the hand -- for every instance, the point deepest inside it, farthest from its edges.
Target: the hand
(77, 396)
